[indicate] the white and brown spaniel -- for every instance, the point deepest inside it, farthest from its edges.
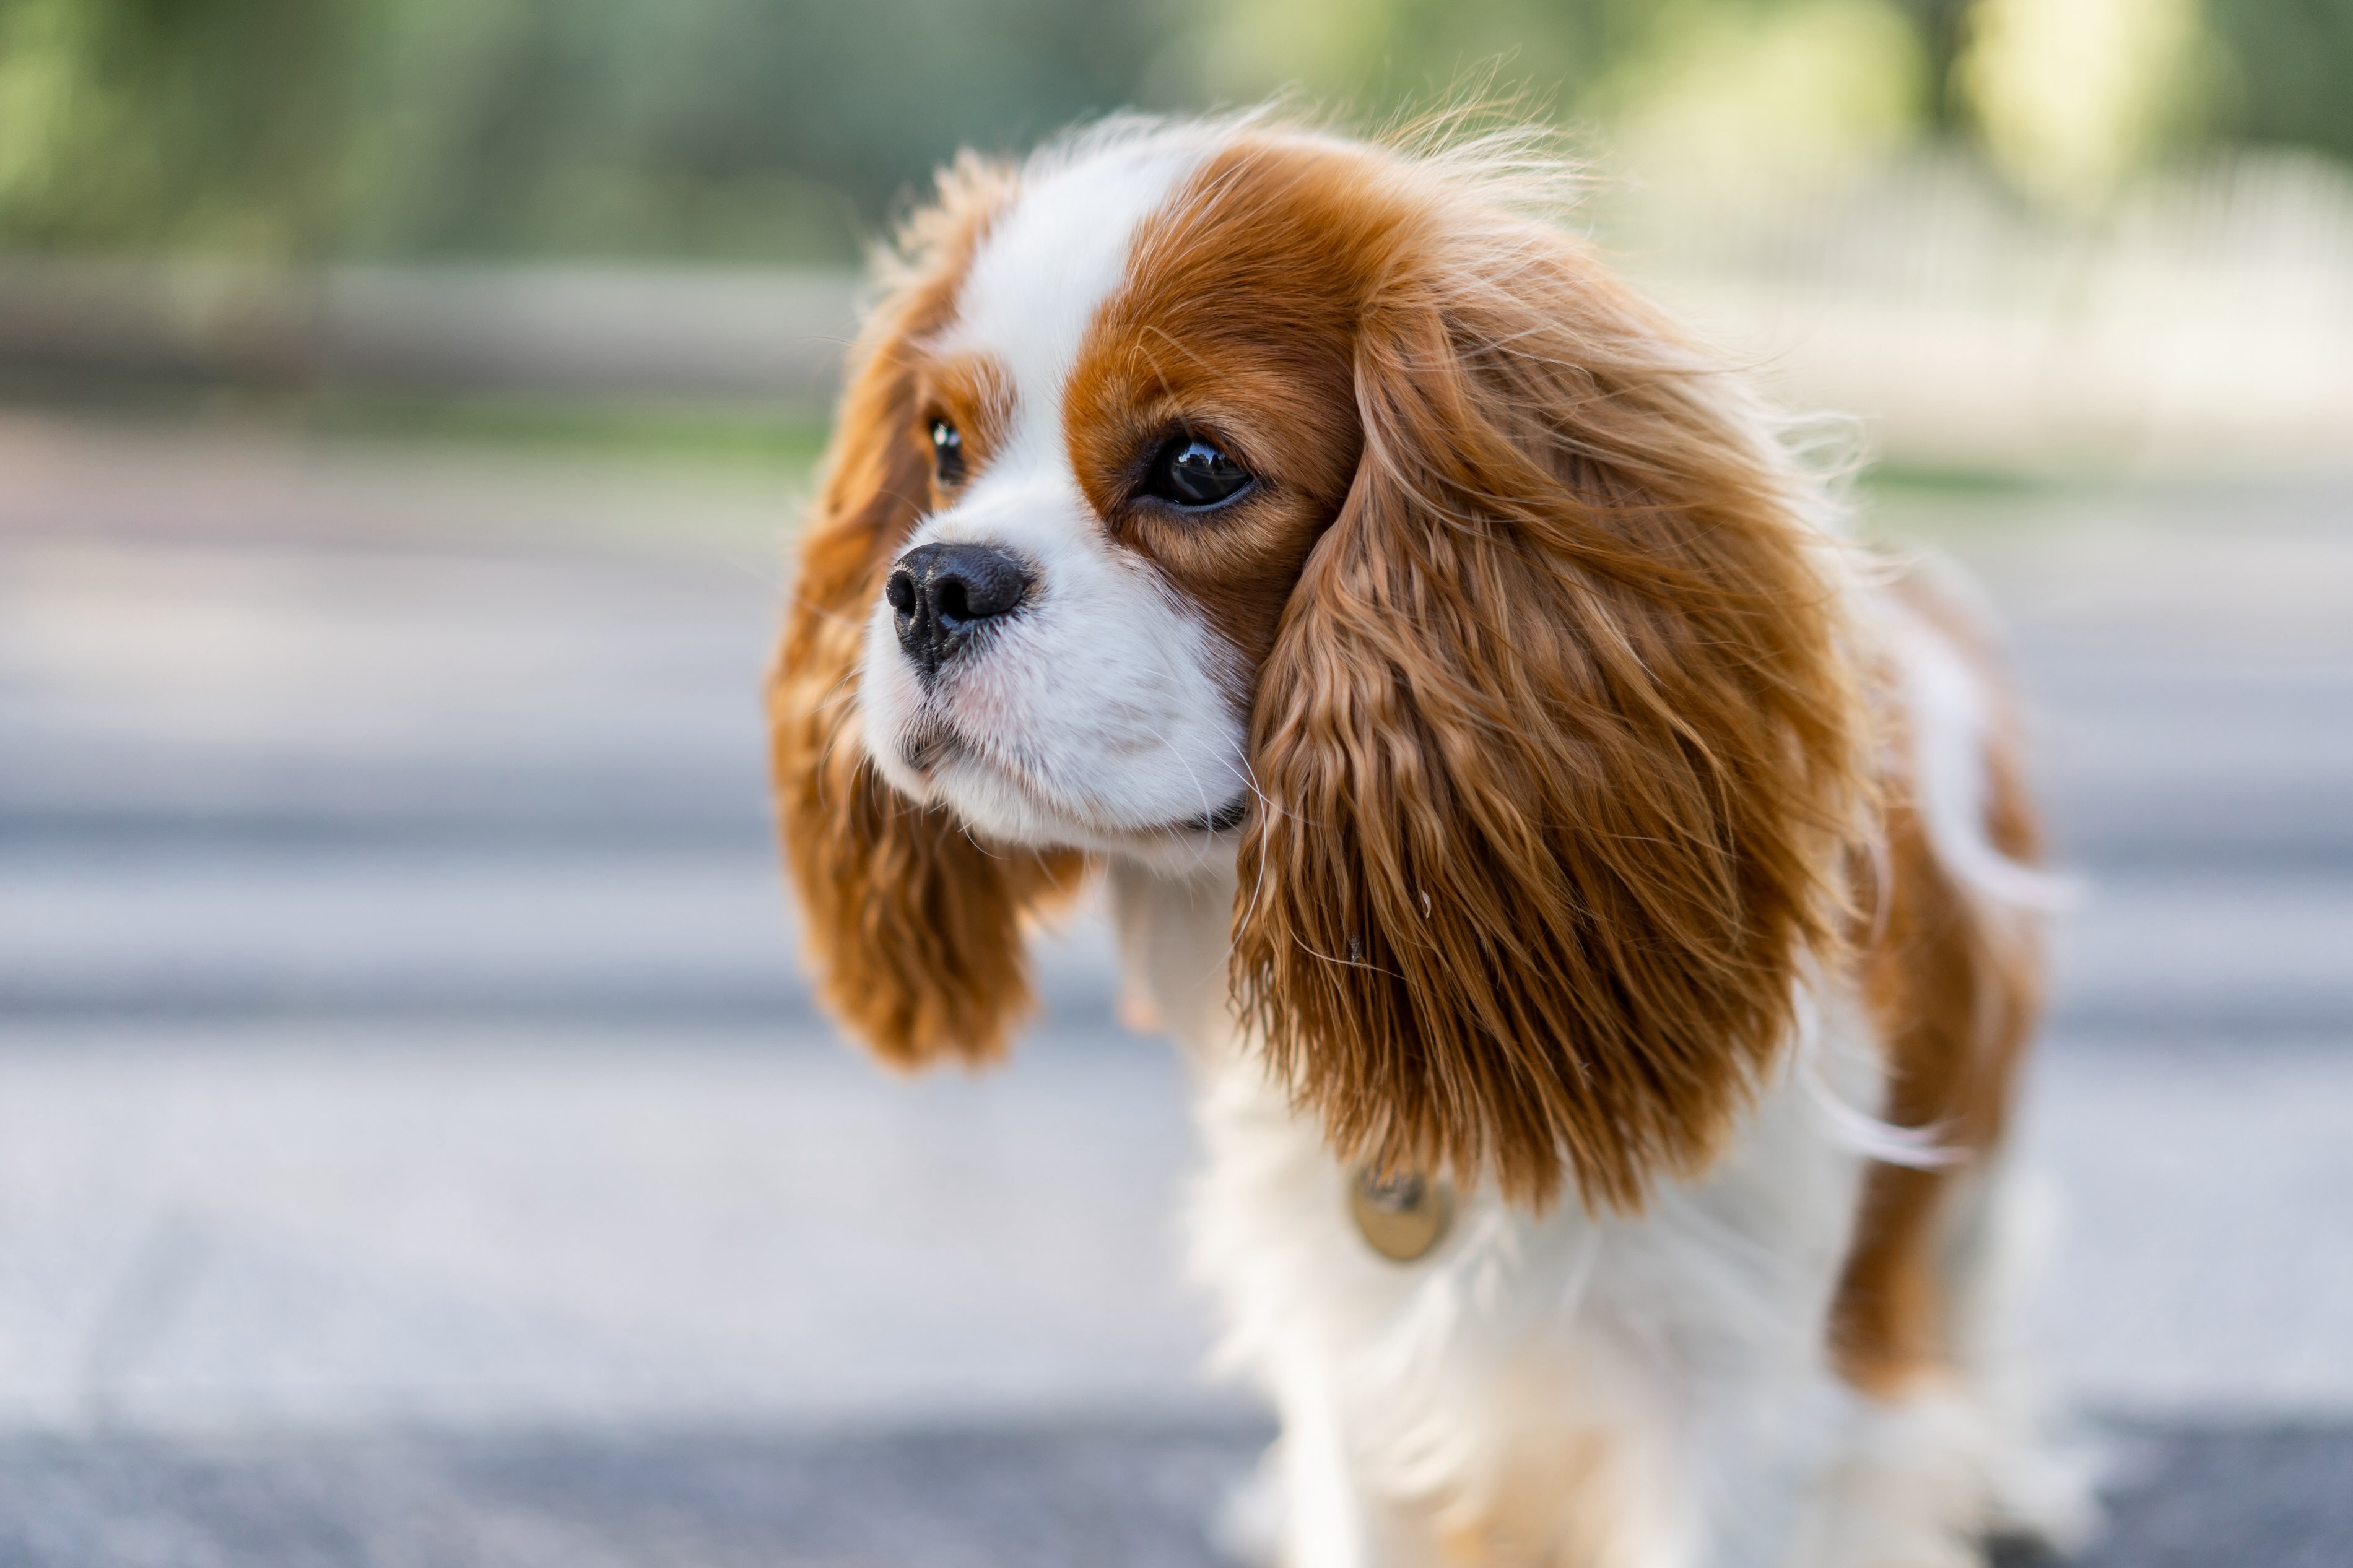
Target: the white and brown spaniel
(1593, 895)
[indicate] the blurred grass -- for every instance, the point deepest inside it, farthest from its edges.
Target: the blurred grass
(1903, 480)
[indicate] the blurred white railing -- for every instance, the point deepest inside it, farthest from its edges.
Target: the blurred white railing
(2203, 322)
(567, 331)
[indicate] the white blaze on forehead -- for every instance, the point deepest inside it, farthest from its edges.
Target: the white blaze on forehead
(1099, 711)
(1057, 255)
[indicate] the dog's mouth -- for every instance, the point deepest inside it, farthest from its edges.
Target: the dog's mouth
(1225, 819)
(1209, 823)
(932, 746)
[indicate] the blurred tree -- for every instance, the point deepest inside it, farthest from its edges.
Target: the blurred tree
(206, 122)
(1943, 28)
(714, 126)
(1719, 83)
(2070, 95)
(780, 128)
(751, 127)
(2290, 74)
(1363, 56)
(1793, 87)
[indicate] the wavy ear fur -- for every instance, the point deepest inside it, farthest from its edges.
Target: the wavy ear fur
(914, 928)
(1557, 744)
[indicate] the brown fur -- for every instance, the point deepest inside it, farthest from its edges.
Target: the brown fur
(1954, 987)
(1554, 733)
(913, 925)
(1238, 322)
(1553, 720)
(1551, 714)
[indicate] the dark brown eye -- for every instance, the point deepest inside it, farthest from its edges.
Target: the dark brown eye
(1196, 475)
(947, 453)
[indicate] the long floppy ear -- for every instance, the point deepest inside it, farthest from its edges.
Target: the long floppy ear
(914, 928)
(1556, 746)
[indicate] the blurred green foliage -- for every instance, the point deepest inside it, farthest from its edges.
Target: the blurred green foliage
(773, 129)
(782, 129)
(145, 122)
(2288, 70)
(1943, 26)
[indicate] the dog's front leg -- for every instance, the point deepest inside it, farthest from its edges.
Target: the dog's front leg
(1328, 1520)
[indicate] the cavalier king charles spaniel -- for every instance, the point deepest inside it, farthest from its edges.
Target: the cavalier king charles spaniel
(1593, 894)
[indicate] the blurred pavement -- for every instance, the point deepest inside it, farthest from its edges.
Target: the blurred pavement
(416, 1144)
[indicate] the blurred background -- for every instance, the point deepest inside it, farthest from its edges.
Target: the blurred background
(417, 1143)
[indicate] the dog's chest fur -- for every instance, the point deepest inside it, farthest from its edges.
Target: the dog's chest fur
(1537, 1381)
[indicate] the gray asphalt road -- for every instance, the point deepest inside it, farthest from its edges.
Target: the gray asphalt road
(1074, 1495)
(416, 1144)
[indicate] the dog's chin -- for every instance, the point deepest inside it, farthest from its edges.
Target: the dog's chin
(933, 766)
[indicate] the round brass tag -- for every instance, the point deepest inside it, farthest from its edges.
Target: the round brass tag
(1401, 1216)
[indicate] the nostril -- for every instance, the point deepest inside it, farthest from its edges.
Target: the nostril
(954, 600)
(901, 591)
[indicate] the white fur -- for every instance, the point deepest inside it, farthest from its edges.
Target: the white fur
(1649, 1393)
(1097, 714)
(1617, 1392)
(1049, 264)
(1949, 706)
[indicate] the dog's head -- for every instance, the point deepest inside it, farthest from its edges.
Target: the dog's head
(1229, 491)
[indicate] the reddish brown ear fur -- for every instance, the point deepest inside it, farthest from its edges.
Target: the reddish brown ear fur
(914, 927)
(1556, 743)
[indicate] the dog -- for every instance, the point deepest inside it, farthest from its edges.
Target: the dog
(1596, 897)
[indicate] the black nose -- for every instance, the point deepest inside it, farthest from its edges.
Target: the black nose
(939, 592)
